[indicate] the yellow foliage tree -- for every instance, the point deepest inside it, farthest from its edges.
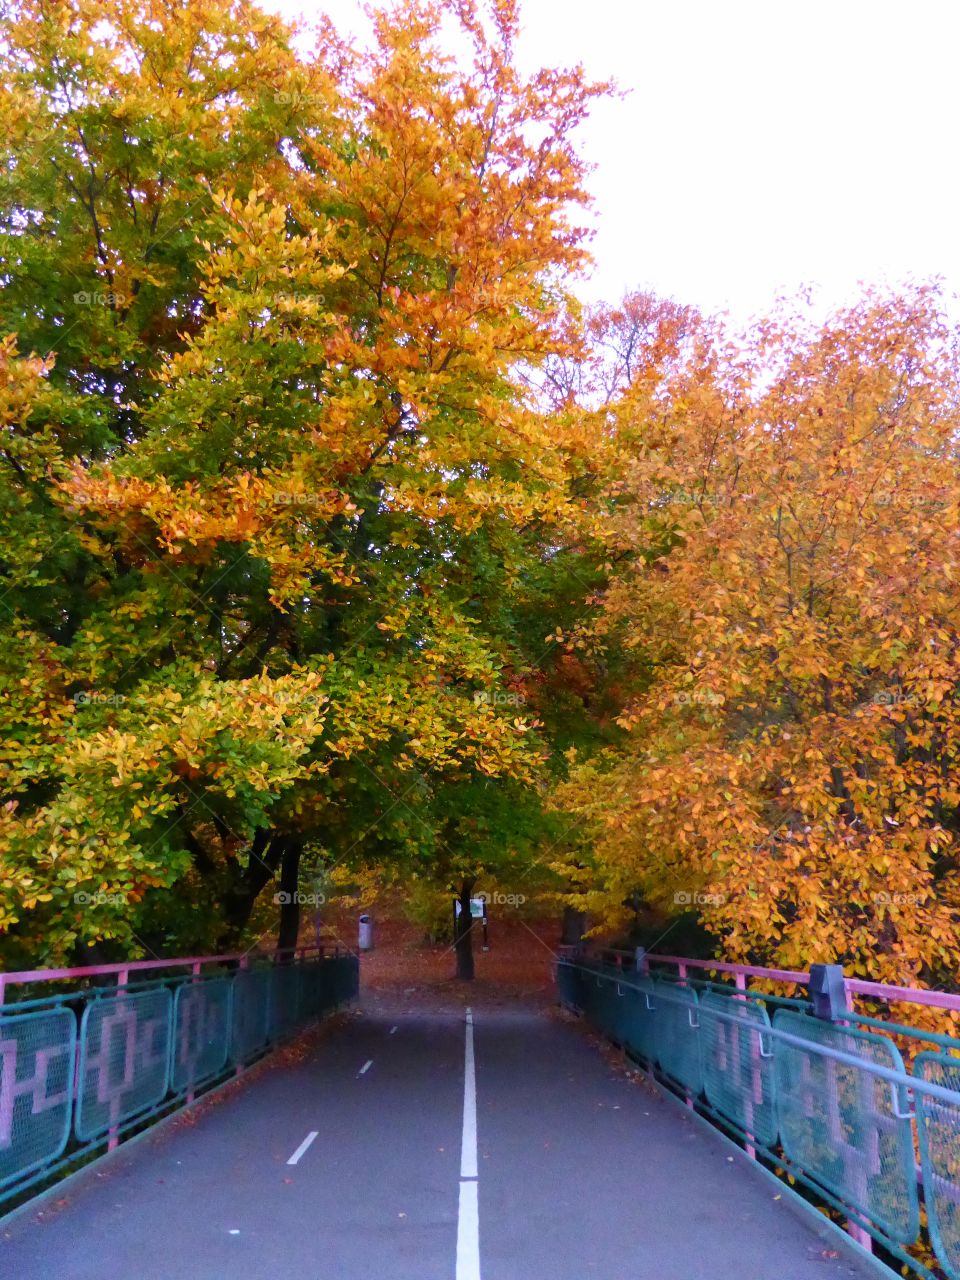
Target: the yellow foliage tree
(789, 503)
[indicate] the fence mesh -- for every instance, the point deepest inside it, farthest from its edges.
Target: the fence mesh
(628, 1017)
(676, 1011)
(839, 1122)
(124, 1058)
(318, 988)
(610, 1008)
(250, 1030)
(571, 981)
(285, 1000)
(201, 1031)
(345, 982)
(135, 1047)
(737, 1061)
(37, 1052)
(640, 1031)
(938, 1128)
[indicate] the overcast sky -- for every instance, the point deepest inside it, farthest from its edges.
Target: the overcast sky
(765, 144)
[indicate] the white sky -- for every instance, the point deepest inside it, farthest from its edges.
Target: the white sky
(766, 144)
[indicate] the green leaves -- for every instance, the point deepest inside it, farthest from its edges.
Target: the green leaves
(279, 512)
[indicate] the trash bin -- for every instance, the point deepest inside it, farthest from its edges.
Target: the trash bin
(366, 933)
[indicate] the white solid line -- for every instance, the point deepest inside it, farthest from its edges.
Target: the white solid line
(295, 1158)
(468, 1233)
(468, 1145)
(366, 1066)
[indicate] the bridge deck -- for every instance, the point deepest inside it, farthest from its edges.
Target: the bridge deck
(581, 1173)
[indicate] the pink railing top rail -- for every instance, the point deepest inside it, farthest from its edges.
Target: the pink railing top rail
(123, 969)
(854, 986)
(911, 995)
(722, 966)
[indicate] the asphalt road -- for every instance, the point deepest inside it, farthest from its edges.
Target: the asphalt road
(562, 1169)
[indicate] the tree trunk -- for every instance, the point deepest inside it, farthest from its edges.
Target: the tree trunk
(263, 859)
(289, 930)
(574, 927)
(463, 935)
(97, 953)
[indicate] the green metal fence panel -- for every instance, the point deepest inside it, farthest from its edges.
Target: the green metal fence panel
(737, 1062)
(618, 1004)
(844, 1125)
(579, 987)
(567, 984)
(608, 1003)
(201, 1031)
(348, 970)
(37, 1056)
(593, 987)
(138, 1051)
(587, 989)
(570, 978)
(640, 1019)
(124, 1058)
(677, 1032)
(317, 988)
(590, 985)
(586, 986)
(938, 1128)
(284, 1000)
(250, 1021)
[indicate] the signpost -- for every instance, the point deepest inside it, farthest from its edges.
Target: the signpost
(478, 911)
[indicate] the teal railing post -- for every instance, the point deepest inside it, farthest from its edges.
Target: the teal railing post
(123, 977)
(831, 1001)
(740, 981)
(242, 964)
(828, 992)
(195, 971)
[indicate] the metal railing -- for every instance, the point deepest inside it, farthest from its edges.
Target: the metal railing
(829, 1101)
(82, 1068)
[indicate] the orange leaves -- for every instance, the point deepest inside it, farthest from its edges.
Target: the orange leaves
(273, 513)
(304, 431)
(797, 744)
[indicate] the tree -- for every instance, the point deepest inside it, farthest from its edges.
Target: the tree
(791, 589)
(285, 492)
(119, 120)
(615, 349)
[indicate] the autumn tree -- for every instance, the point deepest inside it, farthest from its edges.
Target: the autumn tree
(790, 505)
(611, 349)
(274, 481)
